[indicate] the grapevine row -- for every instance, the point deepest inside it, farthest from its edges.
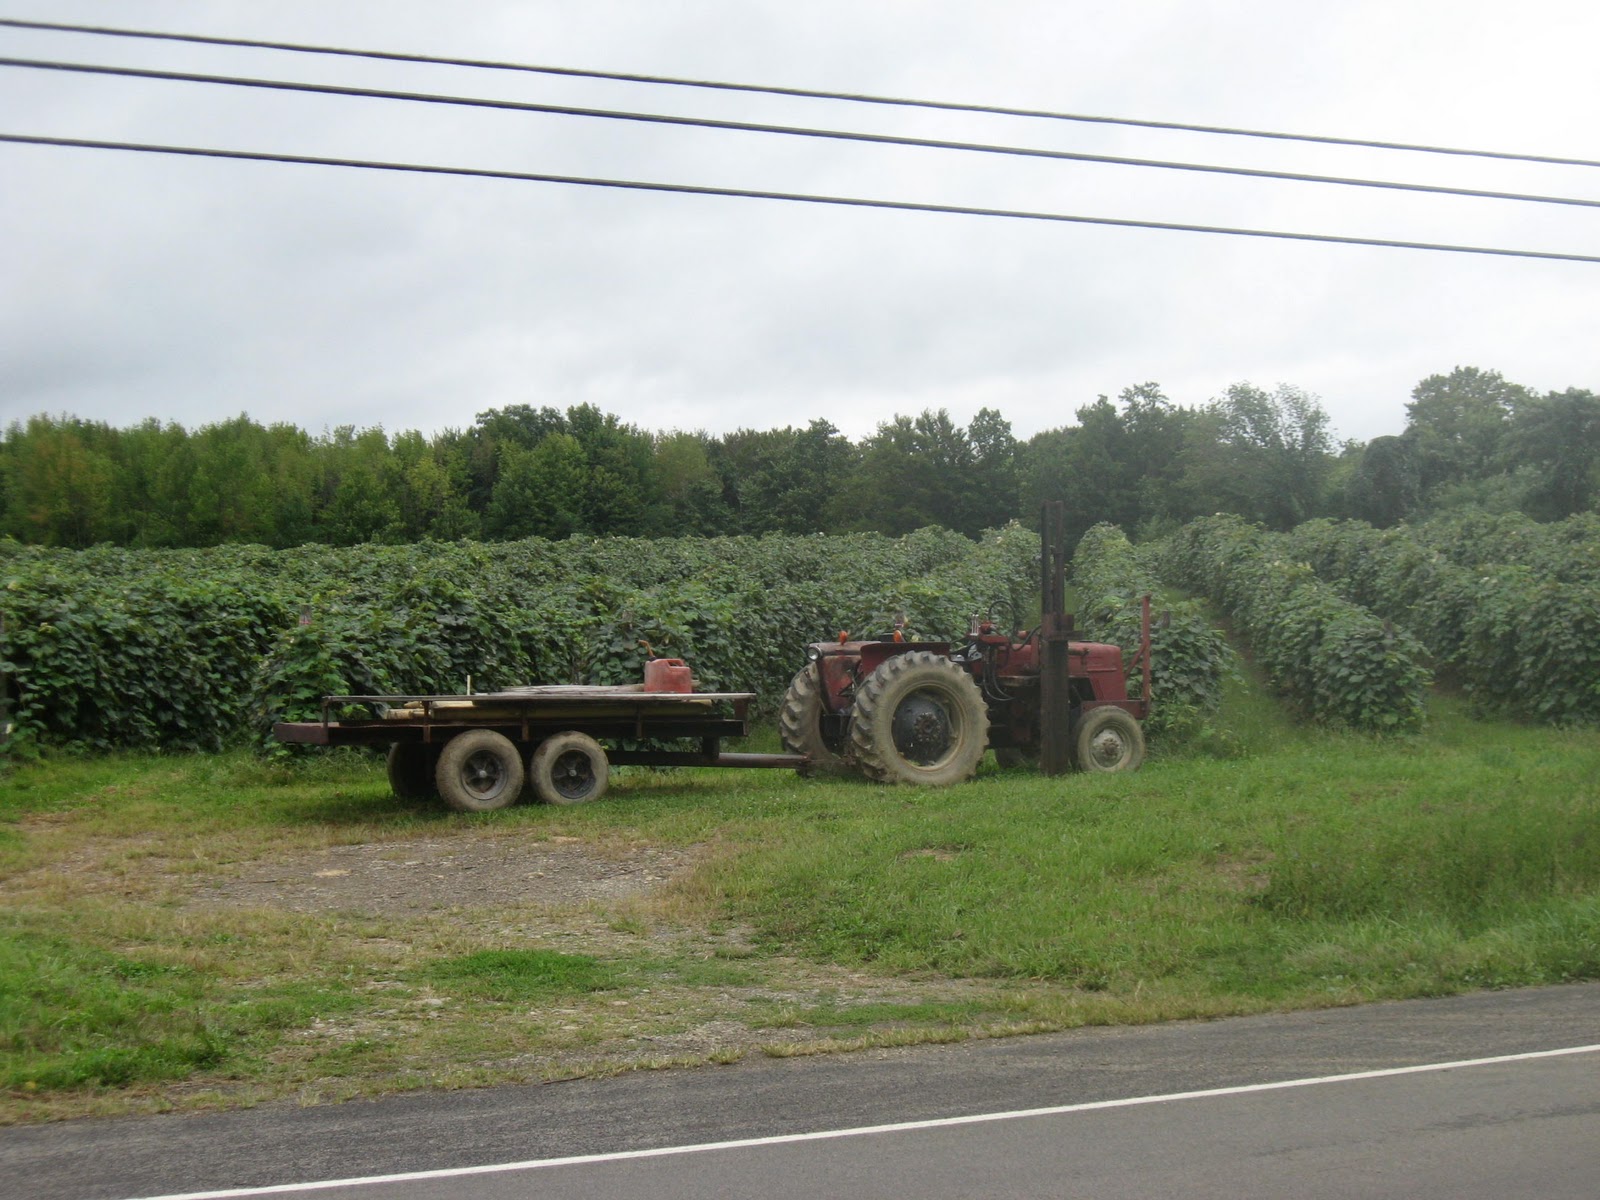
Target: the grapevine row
(194, 649)
(1189, 657)
(1519, 635)
(1332, 658)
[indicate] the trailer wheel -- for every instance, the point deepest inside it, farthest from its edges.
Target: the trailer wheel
(479, 771)
(411, 769)
(1109, 739)
(800, 723)
(569, 768)
(919, 718)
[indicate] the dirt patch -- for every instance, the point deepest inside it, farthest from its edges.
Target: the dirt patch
(938, 853)
(413, 877)
(688, 989)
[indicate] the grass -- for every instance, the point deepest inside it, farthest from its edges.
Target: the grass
(522, 974)
(1211, 879)
(1306, 869)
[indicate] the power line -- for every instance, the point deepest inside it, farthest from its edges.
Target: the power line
(327, 89)
(802, 93)
(799, 197)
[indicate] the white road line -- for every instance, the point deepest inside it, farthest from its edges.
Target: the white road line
(282, 1189)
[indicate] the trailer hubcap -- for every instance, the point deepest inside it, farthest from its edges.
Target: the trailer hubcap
(572, 774)
(483, 774)
(921, 729)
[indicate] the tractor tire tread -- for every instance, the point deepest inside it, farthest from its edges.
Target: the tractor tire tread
(798, 722)
(871, 742)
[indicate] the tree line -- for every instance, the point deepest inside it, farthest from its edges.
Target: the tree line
(1140, 461)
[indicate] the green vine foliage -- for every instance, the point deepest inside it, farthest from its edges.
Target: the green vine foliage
(1331, 657)
(147, 659)
(194, 649)
(1190, 658)
(1510, 607)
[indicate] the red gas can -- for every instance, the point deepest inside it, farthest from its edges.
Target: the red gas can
(667, 675)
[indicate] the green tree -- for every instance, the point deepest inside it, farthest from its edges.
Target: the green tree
(478, 449)
(744, 461)
(912, 473)
(540, 492)
(520, 425)
(431, 504)
(1454, 424)
(358, 487)
(1386, 487)
(690, 487)
(1099, 479)
(1264, 456)
(1120, 463)
(233, 486)
(59, 483)
(1558, 434)
(150, 487)
(994, 494)
(784, 480)
(622, 494)
(1156, 431)
(296, 479)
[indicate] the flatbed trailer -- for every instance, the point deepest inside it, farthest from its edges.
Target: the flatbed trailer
(477, 751)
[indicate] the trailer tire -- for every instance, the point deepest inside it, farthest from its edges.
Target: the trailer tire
(479, 771)
(919, 718)
(800, 723)
(569, 768)
(1109, 739)
(411, 771)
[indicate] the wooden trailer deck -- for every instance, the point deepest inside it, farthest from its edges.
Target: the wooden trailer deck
(476, 751)
(625, 712)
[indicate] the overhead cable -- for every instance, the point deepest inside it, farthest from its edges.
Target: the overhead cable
(328, 89)
(801, 93)
(799, 197)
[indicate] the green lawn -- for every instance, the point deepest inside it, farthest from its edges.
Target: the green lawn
(1307, 869)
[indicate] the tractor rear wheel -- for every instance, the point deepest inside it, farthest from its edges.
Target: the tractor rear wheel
(800, 723)
(919, 718)
(1109, 739)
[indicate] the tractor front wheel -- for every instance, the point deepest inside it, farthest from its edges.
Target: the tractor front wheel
(800, 722)
(919, 718)
(1109, 739)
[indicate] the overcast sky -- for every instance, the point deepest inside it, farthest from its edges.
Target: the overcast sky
(191, 290)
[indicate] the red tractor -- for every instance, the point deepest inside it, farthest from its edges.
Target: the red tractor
(924, 712)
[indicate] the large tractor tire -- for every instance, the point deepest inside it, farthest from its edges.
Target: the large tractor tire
(569, 768)
(410, 766)
(800, 723)
(919, 718)
(1109, 739)
(479, 771)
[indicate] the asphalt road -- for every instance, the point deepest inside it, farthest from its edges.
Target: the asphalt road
(1526, 1127)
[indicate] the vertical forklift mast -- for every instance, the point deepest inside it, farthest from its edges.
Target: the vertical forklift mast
(1055, 630)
